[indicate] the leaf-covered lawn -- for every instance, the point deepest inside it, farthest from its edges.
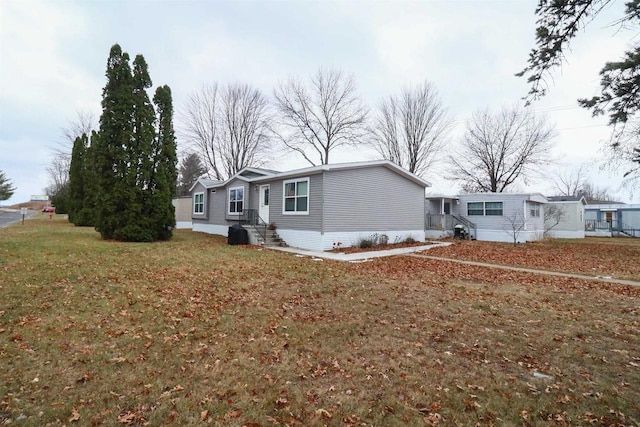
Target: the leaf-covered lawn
(193, 331)
(614, 257)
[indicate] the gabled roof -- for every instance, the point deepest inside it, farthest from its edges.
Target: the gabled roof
(259, 175)
(348, 166)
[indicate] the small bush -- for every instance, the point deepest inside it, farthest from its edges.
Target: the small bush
(365, 243)
(410, 239)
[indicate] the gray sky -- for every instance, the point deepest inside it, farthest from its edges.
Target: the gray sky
(53, 60)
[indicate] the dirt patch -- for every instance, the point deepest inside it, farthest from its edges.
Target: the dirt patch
(355, 249)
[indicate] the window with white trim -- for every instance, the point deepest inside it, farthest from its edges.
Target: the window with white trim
(475, 208)
(534, 210)
(484, 208)
(296, 196)
(198, 203)
(493, 208)
(236, 200)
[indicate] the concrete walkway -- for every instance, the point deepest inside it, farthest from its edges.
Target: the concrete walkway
(532, 270)
(359, 256)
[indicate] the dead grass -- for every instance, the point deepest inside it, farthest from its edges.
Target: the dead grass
(194, 331)
(615, 257)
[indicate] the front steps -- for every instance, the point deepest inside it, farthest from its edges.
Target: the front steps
(267, 238)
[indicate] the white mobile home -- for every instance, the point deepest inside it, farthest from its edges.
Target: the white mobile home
(499, 217)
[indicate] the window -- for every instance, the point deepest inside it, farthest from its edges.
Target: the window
(484, 208)
(198, 203)
(296, 196)
(493, 208)
(534, 210)
(236, 200)
(475, 208)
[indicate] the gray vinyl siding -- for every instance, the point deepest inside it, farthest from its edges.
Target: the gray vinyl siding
(512, 205)
(312, 221)
(199, 188)
(246, 202)
(369, 199)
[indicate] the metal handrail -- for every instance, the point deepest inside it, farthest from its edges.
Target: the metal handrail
(252, 217)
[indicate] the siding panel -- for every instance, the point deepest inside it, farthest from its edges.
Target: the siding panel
(372, 199)
(312, 221)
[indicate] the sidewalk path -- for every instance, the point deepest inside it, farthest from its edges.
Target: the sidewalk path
(359, 256)
(532, 270)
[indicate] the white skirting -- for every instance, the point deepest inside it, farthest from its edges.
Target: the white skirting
(183, 224)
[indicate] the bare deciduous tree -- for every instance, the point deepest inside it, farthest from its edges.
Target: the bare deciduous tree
(200, 127)
(244, 124)
(410, 129)
(568, 182)
(316, 118)
(514, 225)
(499, 149)
(228, 128)
(58, 169)
(553, 215)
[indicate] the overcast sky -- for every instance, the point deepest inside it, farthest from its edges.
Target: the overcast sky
(53, 60)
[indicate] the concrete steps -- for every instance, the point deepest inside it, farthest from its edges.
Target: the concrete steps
(270, 238)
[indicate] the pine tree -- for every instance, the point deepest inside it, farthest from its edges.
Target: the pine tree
(6, 188)
(134, 164)
(139, 158)
(165, 166)
(191, 168)
(116, 133)
(76, 177)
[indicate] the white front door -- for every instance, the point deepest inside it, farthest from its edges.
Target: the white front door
(264, 203)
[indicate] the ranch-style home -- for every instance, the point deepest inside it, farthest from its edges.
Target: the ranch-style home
(316, 208)
(486, 216)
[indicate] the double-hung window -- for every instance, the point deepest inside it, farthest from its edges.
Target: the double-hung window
(534, 210)
(475, 208)
(484, 208)
(493, 208)
(198, 203)
(296, 196)
(236, 200)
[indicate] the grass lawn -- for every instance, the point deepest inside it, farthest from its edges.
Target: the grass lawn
(193, 331)
(595, 256)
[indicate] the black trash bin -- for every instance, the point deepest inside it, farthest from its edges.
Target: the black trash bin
(238, 235)
(458, 232)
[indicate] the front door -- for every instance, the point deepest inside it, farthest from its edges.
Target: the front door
(264, 203)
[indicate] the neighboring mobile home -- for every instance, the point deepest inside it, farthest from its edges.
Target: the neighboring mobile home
(498, 217)
(182, 206)
(316, 208)
(569, 224)
(612, 219)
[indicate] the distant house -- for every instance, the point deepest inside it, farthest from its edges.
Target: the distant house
(612, 219)
(182, 206)
(495, 217)
(315, 208)
(571, 224)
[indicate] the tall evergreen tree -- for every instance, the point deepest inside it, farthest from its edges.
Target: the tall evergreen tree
(81, 182)
(165, 174)
(116, 133)
(76, 177)
(135, 163)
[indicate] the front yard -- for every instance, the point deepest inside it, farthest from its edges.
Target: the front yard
(194, 331)
(594, 256)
